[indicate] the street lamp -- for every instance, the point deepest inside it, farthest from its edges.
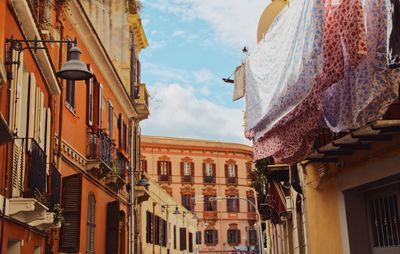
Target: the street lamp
(73, 69)
(143, 181)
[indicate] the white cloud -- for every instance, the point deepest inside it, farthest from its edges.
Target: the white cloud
(176, 111)
(234, 22)
(203, 76)
(157, 44)
(178, 33)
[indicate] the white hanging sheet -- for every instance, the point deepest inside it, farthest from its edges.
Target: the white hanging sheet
(281, 71)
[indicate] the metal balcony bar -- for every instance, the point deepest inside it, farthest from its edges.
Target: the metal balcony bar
(164, 178)
(100, 147)
(37, 168)
(122, 165)
(231, 180)
(187, 179)
(55, 187)
(209, 179)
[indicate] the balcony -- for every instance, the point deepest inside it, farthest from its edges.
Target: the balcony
(117, 178)
(329, 146)
(209, 179)
(187, 179)
(164, 178)
(231, 180)
(30, 200)
(142, 102)
(99, 154)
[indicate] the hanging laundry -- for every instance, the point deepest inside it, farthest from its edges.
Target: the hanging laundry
(240, 81)
(365, 93)
(394, 35)
(292, 138)
(281, 71)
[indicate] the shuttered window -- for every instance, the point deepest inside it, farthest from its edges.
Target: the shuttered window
(233, 236)
(112, 235)
(91, 223)
(100, 106)
(210, 205)
(211, 237)
(232, 204)
(157, 230)
(71, 204)
(70, 91)
(198, 237)
(252, 236)
(149, 227)
(182, 239)
(250, 206)
(110, 119)
(190, 242)
(175, 237)
(89, 98)
(187, 201)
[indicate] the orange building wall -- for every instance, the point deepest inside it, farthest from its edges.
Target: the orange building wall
(152, 148)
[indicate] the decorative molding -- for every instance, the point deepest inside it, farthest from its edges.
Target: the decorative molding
(164, 158)
(168, 189)
(232, 191)
(187, 190)
(69, 152)
(186, 159)
(250, 194)
(230, 161)
(208, 160)
(209, 191)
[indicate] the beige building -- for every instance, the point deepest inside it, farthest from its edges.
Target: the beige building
(161, 224)
(196, 173)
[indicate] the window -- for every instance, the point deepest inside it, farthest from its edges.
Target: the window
(182, 236)
(252, 236)
(208, 169)
(143, 165)
(187, 201)
(70, 91)
(100, 102)
(251, 201)
(210, 205)
(110, 119)
(91, 223)
(164, 167)
(175, 237)
(89, 99)
(233, 236)
(211, 237)
(198, 237)
(231, 170)
(232, 204)
(190, 242)
(149, 227)
(187, 169)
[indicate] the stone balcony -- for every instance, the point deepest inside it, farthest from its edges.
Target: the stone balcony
(142, 102)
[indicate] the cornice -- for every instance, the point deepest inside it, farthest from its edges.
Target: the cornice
(98, 53)
(140, 36)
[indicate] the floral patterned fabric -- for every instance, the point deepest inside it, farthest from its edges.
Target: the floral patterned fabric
(292, 138)
(394, 35)
(281, 71)
(365, 93)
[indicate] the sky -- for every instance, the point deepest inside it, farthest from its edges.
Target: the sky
(193, 44)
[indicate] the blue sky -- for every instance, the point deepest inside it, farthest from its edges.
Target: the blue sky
(193, 44)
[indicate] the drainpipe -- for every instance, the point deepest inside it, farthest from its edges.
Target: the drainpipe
(132, 184)
(60, 115)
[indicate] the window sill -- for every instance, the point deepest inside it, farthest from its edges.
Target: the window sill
(71, 109)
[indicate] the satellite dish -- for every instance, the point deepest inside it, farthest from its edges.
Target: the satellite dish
(268, 16)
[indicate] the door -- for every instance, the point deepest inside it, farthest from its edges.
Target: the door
(383, 209)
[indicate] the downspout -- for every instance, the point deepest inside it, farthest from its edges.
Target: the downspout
(132, 184)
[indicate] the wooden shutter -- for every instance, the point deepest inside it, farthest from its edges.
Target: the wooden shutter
(214, 170)
(190, 242)
(169, 166)
(198, 237)
(215, 236)
(18, 168)
(149, 219)
(226, 171)
(19, 86)
(120, 130)
(157, 230)
(71, 203)
(110, 119)
(159, 168)
(237, 238)
(236, 171)
(174, 237)
(48, 139)
(182, 236)
(89, 98)
(100, 106)
(192, 169)
(112, 235)
(182, 168)
(31, 103)
(204, 169)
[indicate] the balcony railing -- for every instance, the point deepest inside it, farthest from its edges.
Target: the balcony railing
(187, 179)
(231, 180)
(122, 165)
(37, 168)
(99, 147)
(54, 198)
(164, 178)
(209, 179)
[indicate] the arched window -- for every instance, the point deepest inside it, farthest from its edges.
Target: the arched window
(91, 223)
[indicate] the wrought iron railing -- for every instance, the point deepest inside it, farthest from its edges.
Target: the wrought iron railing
(164, 178)
(209, 179)
(187, 179)
(37, 169)
(54, 197)
(231, 180)
(122, 165)
(99, 147)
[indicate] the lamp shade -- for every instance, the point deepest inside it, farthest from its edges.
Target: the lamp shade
(143, 181)
(74, 68)
(176, 212)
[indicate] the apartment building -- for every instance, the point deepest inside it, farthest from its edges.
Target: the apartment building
(211, 179)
